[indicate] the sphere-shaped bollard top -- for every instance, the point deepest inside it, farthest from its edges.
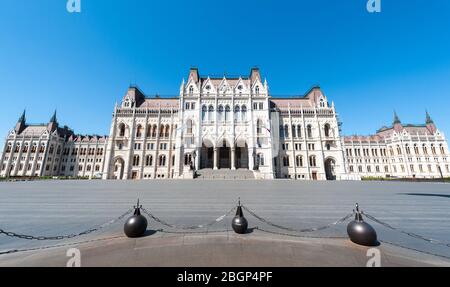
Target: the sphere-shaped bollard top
(360, 232)
(239, 223)
(136, 225)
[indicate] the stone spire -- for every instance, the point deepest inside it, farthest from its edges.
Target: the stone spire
(397, 123)
(428, 120)
(430, 124)
(53, 119)
(53, 124)
(21, 122)
(396, 118)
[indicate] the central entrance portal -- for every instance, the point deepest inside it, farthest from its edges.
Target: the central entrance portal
(207, 156)
(242, 157)
(225, 157)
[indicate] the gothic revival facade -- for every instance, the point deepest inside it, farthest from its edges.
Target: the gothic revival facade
(225, 124)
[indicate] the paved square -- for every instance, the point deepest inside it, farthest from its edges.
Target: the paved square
(64, 207)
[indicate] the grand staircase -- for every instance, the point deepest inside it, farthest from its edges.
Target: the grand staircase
(238, 174)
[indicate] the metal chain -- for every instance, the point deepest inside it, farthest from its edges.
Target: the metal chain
(343, 219)
(60, 237)
(162, 222)
(411, 234)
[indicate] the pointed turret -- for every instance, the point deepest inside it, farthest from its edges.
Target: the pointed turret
(430, 123)
(397, 123)
(194, 75)
(53, 123)
(255, 75)
(53, 118)
(21, 122)
(22, 118)
(396, 119)
(428, 118)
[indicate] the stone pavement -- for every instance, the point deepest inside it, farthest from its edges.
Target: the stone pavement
(221, 250)
(64, 207)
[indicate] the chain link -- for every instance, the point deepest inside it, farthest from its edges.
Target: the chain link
(312, 229)
(60, 237)
(193, 227)
(410, 234)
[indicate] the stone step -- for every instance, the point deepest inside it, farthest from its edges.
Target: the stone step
(225, 174)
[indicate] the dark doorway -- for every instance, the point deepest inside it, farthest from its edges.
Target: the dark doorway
(224, 157)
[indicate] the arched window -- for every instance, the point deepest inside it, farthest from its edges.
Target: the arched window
(433, 149)
(237, 111)
(259, 127)
(399, 150)
(139, 131)
(309, 131)
(416, 149)
(121, 130)
(442, 149)
(167, 133)
(33, 148)
(154, 129)
(294, 131)
(322, 103)
(88, 168)
(8, 148)
(286, 160)
(211, 113)
(97, 168)
(187, 159)
(135, 160)
(299, 131)
(191, 90)
(204, 110)
(244, 113)
(220, 113)
(425, 150)
(50, 151)
(327, 130)
(227, 113)
(162, 160)
(312, 161)
(260, 159)
(148, 132)
(286, 131)
(25, 148)
(408, 150)
(161, 131)
(189, 126)
(257, 90)
(149, 160)
(299, 161)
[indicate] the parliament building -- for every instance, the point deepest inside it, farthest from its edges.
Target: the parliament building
(225, 128)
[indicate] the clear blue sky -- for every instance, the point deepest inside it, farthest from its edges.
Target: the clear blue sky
(368, 64)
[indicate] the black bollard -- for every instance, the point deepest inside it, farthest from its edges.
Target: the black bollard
(136, 225)
(239, 223)
(360, 232)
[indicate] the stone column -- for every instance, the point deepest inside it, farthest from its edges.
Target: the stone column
(233, 157)
(215, 158)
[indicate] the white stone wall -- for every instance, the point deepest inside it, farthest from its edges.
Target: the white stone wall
(401, 155)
